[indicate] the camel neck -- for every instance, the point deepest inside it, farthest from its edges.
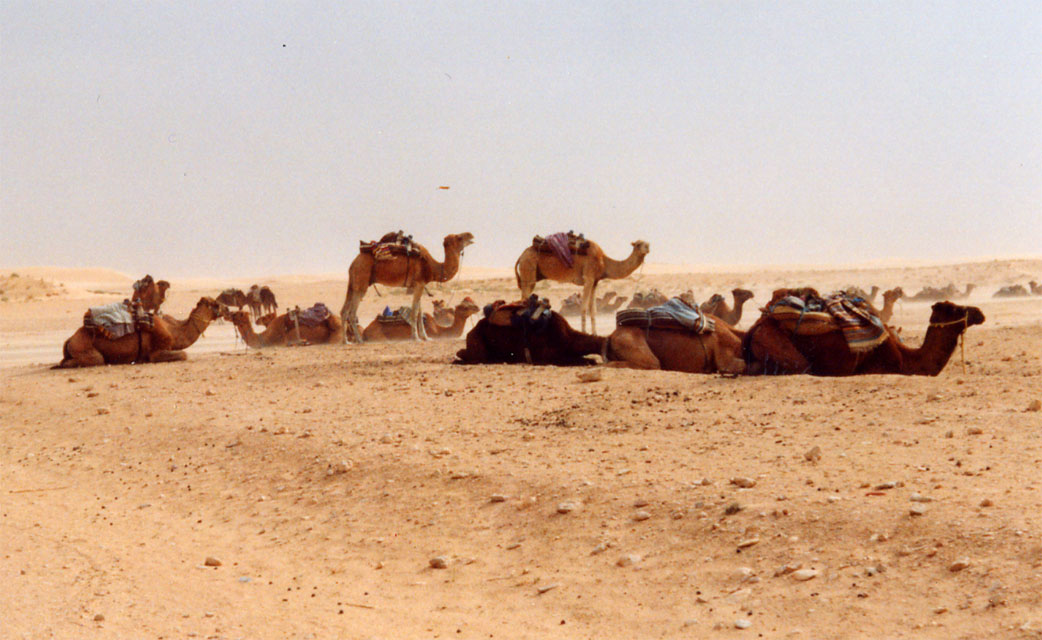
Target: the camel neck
(617, 269)
(937, 348)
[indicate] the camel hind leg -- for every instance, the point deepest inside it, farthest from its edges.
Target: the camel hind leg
(349, 313)
(419, 332)
(629, 348)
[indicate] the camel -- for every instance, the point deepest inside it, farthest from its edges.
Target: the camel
(586, 270)
(610, 303)
(253, 300)
(187, 331)
(232, 298)
(572, 305)
(1036, 289)
(377, 331)
(267, 300)
(150, 293)
(770, 348)
(443, 316)
(677, 349)
(890, 296)
(718, 307)
(495, 339)
(647, 299)
(931, 294)
(160, 342)
(282, 331)
(410, 272)
(1012, 291)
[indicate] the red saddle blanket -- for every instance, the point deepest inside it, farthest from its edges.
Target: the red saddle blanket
(562, 245)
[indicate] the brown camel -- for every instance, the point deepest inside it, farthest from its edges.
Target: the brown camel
(611, 303)
(377, 331)
(282, 331)
(586, 270)
(232, 298)
(647, 299)
(677, 349)
(770, 348)
(267, 300)
(411, 272)
(549, 340)
(572, 305)
(890, 296)
(717, 306)
(155, 343)
(253, 300)
(150, 292)
(931, 294)
(187, 331)
(1036, 289)
(443, 316)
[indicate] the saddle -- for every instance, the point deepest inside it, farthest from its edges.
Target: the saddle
(532, 315)
(562, 245)
(804, 313)
(117, 319)
(311, 317)
(390, 245)
(400, 316)
(676, 314)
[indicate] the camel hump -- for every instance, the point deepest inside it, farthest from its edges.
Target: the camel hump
(563, 245)
(676, 313)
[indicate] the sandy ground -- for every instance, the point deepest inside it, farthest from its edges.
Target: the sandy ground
(324, 480)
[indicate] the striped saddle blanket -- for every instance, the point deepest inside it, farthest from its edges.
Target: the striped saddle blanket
(114, 320)
(811, 315)
(390, 245)
(674, 314)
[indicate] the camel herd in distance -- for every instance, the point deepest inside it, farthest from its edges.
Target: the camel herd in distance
(798, 330)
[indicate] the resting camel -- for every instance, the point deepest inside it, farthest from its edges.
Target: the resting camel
(586, 270)
(677, 349)
(717, 306)
(187, 331)
(443, 316)
(157, 343)
(609, 305)
(150, 292)
(889, 298)
(267, 300)
(647, 299)
(1012, 291)
(1035, 288)
(282, 331)
(413, 273)
(770, 348)
(928, 294)
(572, 305)
(232, 298)
(377, 331)
(494, 339)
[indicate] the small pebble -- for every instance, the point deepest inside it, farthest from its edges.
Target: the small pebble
(211, 562)
(915, 497)
(497, 497)
(803, 575)
(959, 565)
(640, 502)
(814, 454)
(439, 562)
(1035, 405)
(974, 431)
(742, 623)
(628, 560)
(103, 411)
(99, 618)
(743, 482)
(547, 587)
(885, 485)
(594, 375)
(917, 510)
(743, 573)
(641, 515)
(986, 502)
(748, 542)
(566, 507)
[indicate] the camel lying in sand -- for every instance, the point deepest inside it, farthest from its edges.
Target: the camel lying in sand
(771, 348)
(546, 338)
(382, 331)
(717, 306)
(283, 331)
(677, 349)
(156, 343)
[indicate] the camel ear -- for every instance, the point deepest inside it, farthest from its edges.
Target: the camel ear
(163, 285)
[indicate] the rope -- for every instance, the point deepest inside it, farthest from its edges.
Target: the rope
(965, 322)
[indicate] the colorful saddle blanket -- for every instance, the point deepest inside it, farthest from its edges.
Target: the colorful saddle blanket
(811, 315)
(390, 245)
(532, 315)
(313, 316)
(674, 314)
(114, 320)
(562, 245)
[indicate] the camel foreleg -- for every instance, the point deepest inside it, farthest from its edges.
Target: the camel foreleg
(419, 332)
(349, 314)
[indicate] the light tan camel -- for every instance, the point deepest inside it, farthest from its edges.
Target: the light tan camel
(282, 331)
(586, 271)
(889, 298)
(187, 331)
(89, 347)
(718, 306)
(150, 292)
(377, 331)
(677, 350)
(413, 273)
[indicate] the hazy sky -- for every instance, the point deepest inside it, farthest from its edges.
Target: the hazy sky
(250, 138)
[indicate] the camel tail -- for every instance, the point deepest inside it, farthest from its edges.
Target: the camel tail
(517, 272)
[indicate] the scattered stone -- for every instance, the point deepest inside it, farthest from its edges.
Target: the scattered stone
(244, 579)
(593, 375)
(742, 623)
(934, 397)
(884, 486)
(705, 482)
(915, 497)
(833, 499)
(600, 548)
(690, 622)
(211, 392)
(744, 573)
(497, 497)
(92, 394)
(386, 439)
(803, 575)
(940, 610)
(211, 562)
(547, 587)
(340, 467)
(103, 411)
(917, 510)
(99, 618)
(439, 562)
(1035, 405)
(732, 509)
(743, 482)
(640, 502)
(959, 565)
(748, 542)
(641, 515)
(566, 507)
(986, 502)
(628, 560)
(814, 454)
(787, 569)
(974, 431)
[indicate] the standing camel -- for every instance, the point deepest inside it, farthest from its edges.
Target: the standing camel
(253, 300)
(586, 270)
(232, 298)
(151, 293)
(411, 272)
(717, 306)
(267, 300)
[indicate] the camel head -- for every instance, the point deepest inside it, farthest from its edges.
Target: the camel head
(211, 308)
(641, 248)
(467, 307)
(689, 298)
(741, 295)
(150, 292)
(949, 313)
(458, 241)
(893, 294)
(237, 317)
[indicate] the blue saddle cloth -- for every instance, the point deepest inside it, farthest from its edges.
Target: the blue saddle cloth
(115, 319)
(674, 314)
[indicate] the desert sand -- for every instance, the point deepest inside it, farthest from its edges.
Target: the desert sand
(308, 492)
